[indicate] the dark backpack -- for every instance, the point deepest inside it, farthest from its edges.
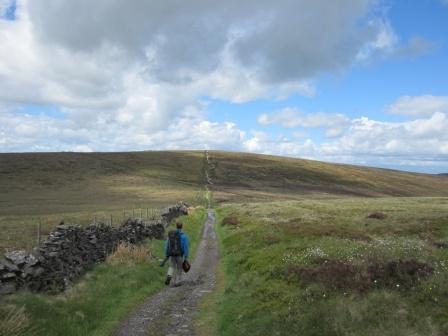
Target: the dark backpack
(174, 247)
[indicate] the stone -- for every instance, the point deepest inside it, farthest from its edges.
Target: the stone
(7, 288)
(17, 257)
(9, 266)
(8, 275)
(70, 250)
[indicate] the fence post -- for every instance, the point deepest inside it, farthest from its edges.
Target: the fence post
(38, 232)
(133, 212)
(141, 213)
(111, 220)
(147, 213)
(124, 214)
(94, 220)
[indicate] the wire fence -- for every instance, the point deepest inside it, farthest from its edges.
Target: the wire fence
(29, 231)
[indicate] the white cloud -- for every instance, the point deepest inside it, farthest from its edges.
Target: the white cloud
(138, 67)
(5, 5)
(419, 106)
(221, 50)
(422, 142)
(334, 123)
(385, 41)
(387, 44)
(176, 35)
(131, 76)
(41, 133)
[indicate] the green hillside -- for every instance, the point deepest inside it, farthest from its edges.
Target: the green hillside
(299, 249)
(76, 187)
(240, 177)
(331, 267)
(35, 182)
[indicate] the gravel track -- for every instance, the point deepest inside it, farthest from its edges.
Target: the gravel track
(171, 311)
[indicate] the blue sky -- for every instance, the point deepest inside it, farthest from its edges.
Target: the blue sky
(367, 85)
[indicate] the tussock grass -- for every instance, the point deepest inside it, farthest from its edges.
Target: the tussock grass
(322, 267)
(14, 322)
(130, 255)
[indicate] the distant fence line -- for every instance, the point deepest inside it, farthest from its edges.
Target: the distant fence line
(107, 219)
(69, 250)
(36, 228)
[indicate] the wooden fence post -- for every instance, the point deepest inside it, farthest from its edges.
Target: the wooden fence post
(38, 232)
(133, 212)
(141, 213)
(111, 220)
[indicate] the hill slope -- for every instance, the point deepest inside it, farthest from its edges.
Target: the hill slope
(241, 177)
(35, 183)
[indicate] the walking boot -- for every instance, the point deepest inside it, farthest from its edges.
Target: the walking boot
(168, 279)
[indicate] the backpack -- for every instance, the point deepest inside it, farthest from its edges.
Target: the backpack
(174, 247)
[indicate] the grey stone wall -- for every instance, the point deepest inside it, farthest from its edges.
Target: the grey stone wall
(70, 250)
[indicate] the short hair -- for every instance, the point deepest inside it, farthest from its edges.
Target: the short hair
(179, 225)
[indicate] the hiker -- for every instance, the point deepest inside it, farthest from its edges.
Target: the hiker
(176, 249)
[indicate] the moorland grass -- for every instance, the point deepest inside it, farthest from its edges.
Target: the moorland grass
(103, 297)
(243, 177)
(76, 187)
(280, 278)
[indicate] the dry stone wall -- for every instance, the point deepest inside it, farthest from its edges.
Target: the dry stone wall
(70, 250)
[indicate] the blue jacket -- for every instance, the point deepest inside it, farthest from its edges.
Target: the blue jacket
(184, 244)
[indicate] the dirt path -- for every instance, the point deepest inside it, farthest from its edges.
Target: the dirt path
(171, 311)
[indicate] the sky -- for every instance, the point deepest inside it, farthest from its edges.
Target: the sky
(362, 82)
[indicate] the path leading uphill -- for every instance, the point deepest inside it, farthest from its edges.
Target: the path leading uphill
(171, 311)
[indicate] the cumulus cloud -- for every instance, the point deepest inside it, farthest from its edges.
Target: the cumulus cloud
(181, 38)
(130, 76)
(138, 68)
(41, 133)
(420, 142)
(418, 106)
(334, 123)
(387, 44)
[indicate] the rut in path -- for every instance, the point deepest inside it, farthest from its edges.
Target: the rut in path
(171, 311)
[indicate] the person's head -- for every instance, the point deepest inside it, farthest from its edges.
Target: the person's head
(179, 225)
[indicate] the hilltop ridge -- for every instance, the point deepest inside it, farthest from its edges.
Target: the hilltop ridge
(77, 180)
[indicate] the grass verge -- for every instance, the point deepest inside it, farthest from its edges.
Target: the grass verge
(324, 268)
(206, 319)
(104, 296)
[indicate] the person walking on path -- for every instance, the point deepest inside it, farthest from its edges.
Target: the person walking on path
(176, 249)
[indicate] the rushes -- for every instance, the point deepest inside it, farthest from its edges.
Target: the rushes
(129, 255)
(15, 323)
